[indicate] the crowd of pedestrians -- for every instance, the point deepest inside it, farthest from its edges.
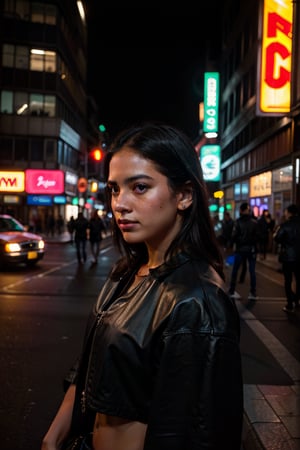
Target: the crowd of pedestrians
(82, 230)
(248, 236)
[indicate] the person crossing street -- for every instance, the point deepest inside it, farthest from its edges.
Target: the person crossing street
(245, 239)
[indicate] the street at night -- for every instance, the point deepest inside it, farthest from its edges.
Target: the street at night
(43, 314)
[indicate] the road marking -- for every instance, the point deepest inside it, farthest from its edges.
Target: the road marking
(287, 361)
(47, 272)
(271, 279)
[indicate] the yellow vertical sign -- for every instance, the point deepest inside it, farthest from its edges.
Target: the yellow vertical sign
(276, 56)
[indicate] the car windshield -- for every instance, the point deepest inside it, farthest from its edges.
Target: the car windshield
(10, 224)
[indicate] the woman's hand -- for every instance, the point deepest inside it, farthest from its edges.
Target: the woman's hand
(60, 426)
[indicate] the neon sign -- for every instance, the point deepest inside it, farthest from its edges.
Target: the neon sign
(12, 181)
(210, 158)
(274, 72)
(211, 102)
(44, 181)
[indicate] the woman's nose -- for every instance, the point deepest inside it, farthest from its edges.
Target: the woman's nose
(121, 203)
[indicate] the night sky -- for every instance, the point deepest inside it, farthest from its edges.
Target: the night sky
(147, 63)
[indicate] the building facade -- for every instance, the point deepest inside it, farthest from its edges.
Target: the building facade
(43, 108)
(260, 150)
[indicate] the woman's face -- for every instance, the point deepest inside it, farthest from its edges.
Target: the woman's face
(144, 207)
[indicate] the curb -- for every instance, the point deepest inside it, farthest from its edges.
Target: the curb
(250, 439)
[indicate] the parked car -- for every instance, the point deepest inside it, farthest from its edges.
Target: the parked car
(17, 245)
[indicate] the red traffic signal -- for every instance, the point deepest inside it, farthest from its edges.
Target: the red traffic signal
(97, 154)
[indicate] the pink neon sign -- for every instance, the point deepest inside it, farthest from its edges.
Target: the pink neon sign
(44, 181)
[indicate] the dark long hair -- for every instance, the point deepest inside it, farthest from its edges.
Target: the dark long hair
(175, 157)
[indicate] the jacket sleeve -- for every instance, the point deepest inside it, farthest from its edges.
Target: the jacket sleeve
(234, 233)
(278, 236)
(198, 398)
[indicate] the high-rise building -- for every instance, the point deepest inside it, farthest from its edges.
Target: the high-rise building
(43, 107)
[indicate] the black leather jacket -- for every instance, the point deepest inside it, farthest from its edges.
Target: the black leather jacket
(166, 354)
(288, 235)
(245, 234)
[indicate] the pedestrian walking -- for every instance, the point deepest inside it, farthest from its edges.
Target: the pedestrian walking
(50, 225)
(288, 236)
(245, 239)
(71, 228)
(265, 227)
(160, 366)
(80, 229)
(227, 227)
(59, 224)
(96, 228)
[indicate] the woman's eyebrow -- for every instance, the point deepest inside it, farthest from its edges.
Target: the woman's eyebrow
(132, 178)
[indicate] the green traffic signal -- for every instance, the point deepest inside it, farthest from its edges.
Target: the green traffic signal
(102, 128)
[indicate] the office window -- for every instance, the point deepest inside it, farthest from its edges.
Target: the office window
(37, 12)
(6, 145)
(43, 13)
(59, 151)
(9, 7)
(7, 102)
(22, 57)
(37, 60)
(22, 9)
(35, 104)
(50, 61)
(36, 150)
(50, 155)
(21, 103)
(42, 60)
(21, 150)
(49, 107)
(50, 14)
(8, 52)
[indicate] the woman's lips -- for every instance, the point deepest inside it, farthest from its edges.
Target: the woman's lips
(125, 225)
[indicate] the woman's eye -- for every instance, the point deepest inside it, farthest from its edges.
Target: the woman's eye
(112, 189)
(140, 188)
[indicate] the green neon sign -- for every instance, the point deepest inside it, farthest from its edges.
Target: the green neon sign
(211, 102)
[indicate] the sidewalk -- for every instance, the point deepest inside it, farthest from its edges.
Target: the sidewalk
(272, 413)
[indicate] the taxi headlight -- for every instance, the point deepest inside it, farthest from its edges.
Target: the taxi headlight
(12, 247)
(41, 244)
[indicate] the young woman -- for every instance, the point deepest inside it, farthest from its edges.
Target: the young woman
(160, 366)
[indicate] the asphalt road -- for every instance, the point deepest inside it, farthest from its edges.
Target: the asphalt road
(43, 314)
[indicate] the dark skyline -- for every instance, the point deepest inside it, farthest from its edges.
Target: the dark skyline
(147, 63)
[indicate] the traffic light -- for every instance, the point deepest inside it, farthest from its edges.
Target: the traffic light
(97, 154)
(102, 128)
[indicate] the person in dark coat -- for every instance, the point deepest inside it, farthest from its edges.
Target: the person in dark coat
(70, 227)
(96, 228)
(80, 228)
(227, 227)
(288, 236)
(265, 227)
(245, 239)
